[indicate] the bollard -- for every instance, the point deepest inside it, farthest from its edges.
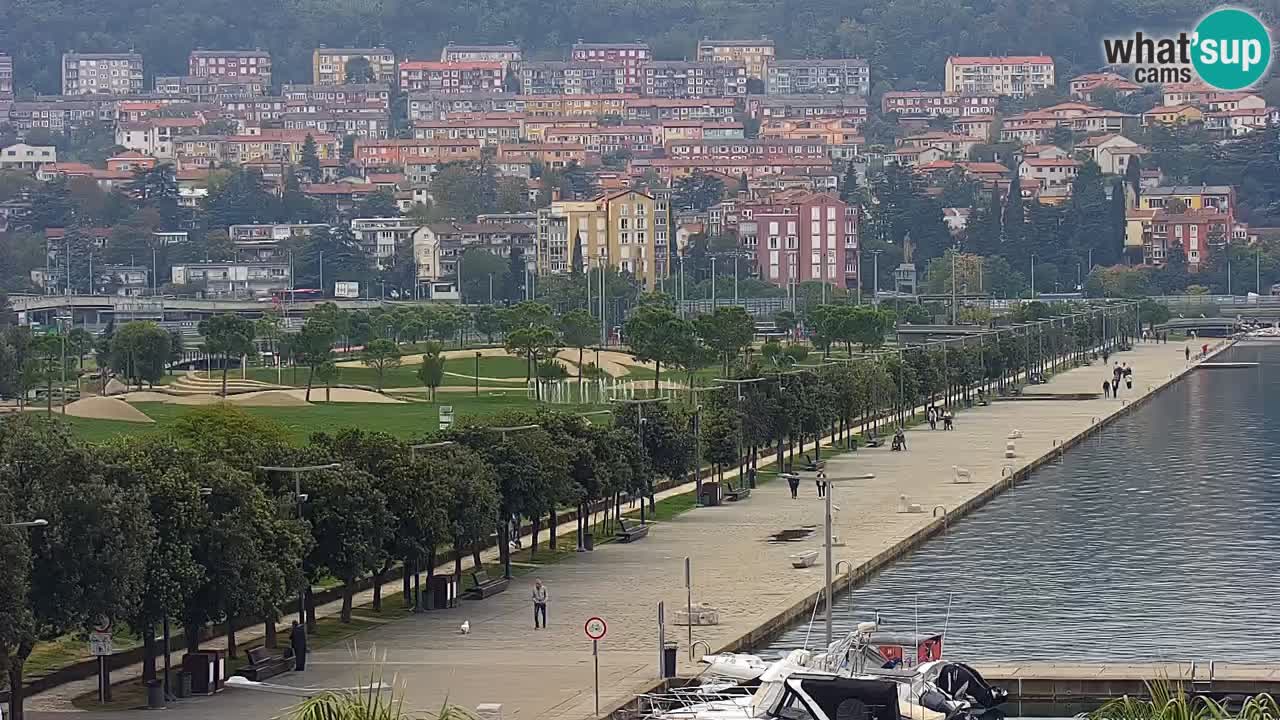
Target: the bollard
(1009, 451)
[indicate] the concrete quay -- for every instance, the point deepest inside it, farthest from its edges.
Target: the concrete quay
(736, 569)
(1086, 682)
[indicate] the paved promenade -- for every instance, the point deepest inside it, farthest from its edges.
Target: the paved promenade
(548, 673)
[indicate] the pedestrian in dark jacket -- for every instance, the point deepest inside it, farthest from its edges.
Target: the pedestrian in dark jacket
(298, 641)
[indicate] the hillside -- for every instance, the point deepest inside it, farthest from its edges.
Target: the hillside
(906, 41)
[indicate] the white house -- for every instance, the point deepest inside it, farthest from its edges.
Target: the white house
(27, 157)
(1049, 171)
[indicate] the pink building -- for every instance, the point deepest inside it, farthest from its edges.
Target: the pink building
(632, 56)
(799, 236)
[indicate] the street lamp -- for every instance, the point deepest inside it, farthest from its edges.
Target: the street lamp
(1033, 276)
(827, 543)
(299, 498)
(875, 276)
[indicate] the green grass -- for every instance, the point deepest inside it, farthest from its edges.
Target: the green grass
(502, 369)
(406, 421)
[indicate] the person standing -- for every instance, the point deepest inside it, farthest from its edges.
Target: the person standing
(793, 482)
(1187, 351)
(1128, 377)
(539, 604)
(821, 482)
(1106, 388)
(933, 418)
(298, 641)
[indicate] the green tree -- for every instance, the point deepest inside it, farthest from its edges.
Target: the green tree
(311, 158)
(578, 329)
(350, 522)
(697, 190)
(140, 351)
(358, 71)
(533, 342)
(653, 333)
(431, 372)
(313, 347)
(227, 335)
(488, 320)
(381, 354)
(727, 331)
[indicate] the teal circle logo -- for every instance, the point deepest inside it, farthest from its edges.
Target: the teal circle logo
(1231, 49)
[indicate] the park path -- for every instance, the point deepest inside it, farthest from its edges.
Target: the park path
(548, 673)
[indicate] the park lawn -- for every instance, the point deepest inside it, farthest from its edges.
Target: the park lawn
(501, 369)
(409, 420)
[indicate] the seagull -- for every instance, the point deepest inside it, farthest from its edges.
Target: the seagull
(465, 628)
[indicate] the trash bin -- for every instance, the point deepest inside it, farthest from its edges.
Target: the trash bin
(751, 478)
(155, 695)
(589, 541)
(710, 494)
(199, 669)
(669, 659)
(442, 592)
(184, 684)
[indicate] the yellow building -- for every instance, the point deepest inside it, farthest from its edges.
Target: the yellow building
(1173, 115)
(329, 65)
(627, 229)
(755, 54)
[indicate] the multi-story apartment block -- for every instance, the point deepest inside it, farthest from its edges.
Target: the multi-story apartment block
(266, 242)
(55, 116)
(756, 55)
(155, 137)
(442, 106)
(452, 77)
(27, 157)
(329, 65)
(273, 145)
(799, 236)
(619, 229)
(850, 76)
(509, 55)
(742, 149)
(927, 103)
(257, 110)
(400, 152)
(682, 79)
(106, 73)
(609, 139)
(323, 95)
(231, 64)
(568, 106)
(1012, 76)
(234, 279)
(701, 130)
(486, 130)
(1084, 86)
(572, 78)
(212, 88)
(438, 246)
(199, 151)
(1152, 235)
(660, 109)
(842, 138)
(6, 77)
(364, 124)
(554, 156)
(632, 56)
(766, 108)
(381, 236)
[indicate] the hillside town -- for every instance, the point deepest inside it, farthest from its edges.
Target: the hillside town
(608, 157)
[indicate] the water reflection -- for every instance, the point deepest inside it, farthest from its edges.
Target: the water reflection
(1158, 540)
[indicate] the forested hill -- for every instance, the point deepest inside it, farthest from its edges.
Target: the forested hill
(906, 41)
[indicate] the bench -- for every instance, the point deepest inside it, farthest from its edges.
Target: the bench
(263, 664)
(486, 586)
(963, 475)
(629, 533)
(733, 494)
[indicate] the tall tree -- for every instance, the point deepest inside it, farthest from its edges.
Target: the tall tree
(578, 329)
(727, 331)
(380, 355)
(358, 71)
(227, 335)
(313, 347)
(431, 372)
(576, 264)
(311, 158)
(654, 333)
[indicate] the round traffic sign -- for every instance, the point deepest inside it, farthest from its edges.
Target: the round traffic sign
(596, 628)
(102, 624)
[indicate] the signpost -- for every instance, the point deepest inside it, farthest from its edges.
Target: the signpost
(100, 646)
(446, 417)
(596, 629)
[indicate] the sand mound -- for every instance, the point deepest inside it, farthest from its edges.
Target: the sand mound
(195, 400)
(103, 408)
(147, 396)
(268, 398)
(352, 395)
(115, 387)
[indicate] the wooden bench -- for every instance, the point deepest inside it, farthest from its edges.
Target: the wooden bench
(486, 586)
(264, 664)
(733, 494)
(629, 533)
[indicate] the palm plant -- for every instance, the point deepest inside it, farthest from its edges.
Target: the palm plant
(1171, 702)
(369, 702)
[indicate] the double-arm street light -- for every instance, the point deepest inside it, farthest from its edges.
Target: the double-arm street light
(830, 586)
(299, 498)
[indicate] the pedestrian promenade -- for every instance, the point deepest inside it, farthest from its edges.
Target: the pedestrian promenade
(548, 673)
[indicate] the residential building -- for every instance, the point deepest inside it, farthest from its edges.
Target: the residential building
(1218, 197)
(572, 78)
(1223, 101)
(1084, 86)
(702, 130)
(1175, 94)
(1234, 123)
(850, 76)
(488, 130)
(6, 77)
(752, 168)
(1113, 153)
(1011, 76)
(452, 77)
(554, 156)
(329, 65)
(755, 55)
(608, 139)
(1049, 171)
(564, 106)
(632, 56)
(928, 103)
(801, 236)
(231, 64)
(977, 126)
(373, 124)
(55, 116)
(743, 149)
(683, 79)
(833, 132)
(663, 109)
(130, 161)
(955, 146)
(442, 106)
(199, 151)
(381, 236)
(234, 279)
(259, 242)
(278, 146)
(534, 129)
(619, 228)
(379, 92)
(1153, 234)
(27, 157)
(438, 247)
(212, 88)
(399, 152)
(155, 136)
(773, 107)
(255, 111)
(340, 197)
(101, 73)
(509, 54)
(1173, 115)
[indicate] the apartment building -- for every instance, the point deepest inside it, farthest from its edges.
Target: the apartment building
(850, 76)
(800, 236)
(329, 65)
(572, 78)
(619, 228)
(684, 79)
(261, 242)
(576, 106)
(443, 106)
(1154, 234)
(766, 108)
(756, 55)
(937, 104)
(54, 115)
(374, 124)
(235, 64)
(101, 73)
(1006, 76)
(399, 152)
(452, 77)
(510, 54)
(381, 236)
(486, 130)
(6, 77)
(438, 247)
(346, 94)
(554, 156)
(632, 56)
(743, 149)
(155, 136)
(234, 279)
(27, 157)
(600, 141)
(212, 88)
(1084, 86)
(665, 109)
(275, 145)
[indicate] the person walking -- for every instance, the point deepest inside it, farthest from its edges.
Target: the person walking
(539, 604)
(948, 420)
(1187, 351)
(821, 482)
(298, 641)
(933, 417)
(793, 482)
(1128, 377)
(1106, 388)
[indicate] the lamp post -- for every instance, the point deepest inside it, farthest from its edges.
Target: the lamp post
(830, 591)
(505, 552)
(713, 283)
(1033, 276)
(875, 276)
(299, 499)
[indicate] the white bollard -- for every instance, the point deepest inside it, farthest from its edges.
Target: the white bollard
(1009, 451)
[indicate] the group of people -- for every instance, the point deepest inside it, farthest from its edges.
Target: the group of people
(1119, 373)
(1156, 337)
(936, 414)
